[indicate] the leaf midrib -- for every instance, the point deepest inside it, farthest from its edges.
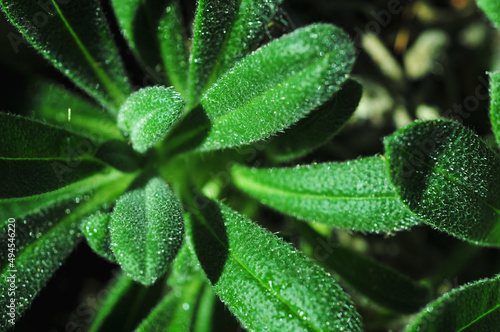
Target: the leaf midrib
(254, 276)
(479, 318)
(246, 182)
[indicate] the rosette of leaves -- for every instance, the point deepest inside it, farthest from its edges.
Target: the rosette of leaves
(125, 167)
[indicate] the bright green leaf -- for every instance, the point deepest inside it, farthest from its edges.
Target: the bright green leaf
(173, 46)
(380, 283)
(147, 230)
(96, 231)
(357, 194)
(55, 104)
(148, 114)
(474, 307)
(124, 305)
(265, 282)
(447, 176)
(318, 127)
(60, 31)
(492, 9)
(495, 103)
(277, 85)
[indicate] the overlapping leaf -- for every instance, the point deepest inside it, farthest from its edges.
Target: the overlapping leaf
(472, 307)
(495, 103)
(76, 39)
(224, 32)
(266, 283)
(492, 9)
(318, 127)
(356, 194)
(147, 230)
(37, 158)
(96, 231)
(148, 114)
(448, 176)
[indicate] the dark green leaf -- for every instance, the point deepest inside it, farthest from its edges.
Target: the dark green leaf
(277, 85)
(173, 46)
(120, 155)
(138, 21)
(42, 242)
(58, 106)
(96, 231)
(447, 176)
(148, 114)
(474, 307)
(125, 304)
(378, 282)
(147, 230)
(76, 39)
(265, 282)
(318, 127)
(495, 103)
(492, 9)
(357, 194)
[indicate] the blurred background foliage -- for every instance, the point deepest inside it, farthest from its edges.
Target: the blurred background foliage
(426, 61)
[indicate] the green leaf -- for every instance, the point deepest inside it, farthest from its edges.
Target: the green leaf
(380, 283)
(263, 281)
(120, 155)
(147, 230)
(148, 114)
(55, 104)
(471, 307)
(447, 176)
(60, 31)
(125, 304)
(177, 310)
(357, 194)
(96, 231)
(492, 9)
(173, 46)
(318, 127)
(277, 85)
(495, 103)
(138, 22)
(77, 191)
(42, 242)
(37, 158)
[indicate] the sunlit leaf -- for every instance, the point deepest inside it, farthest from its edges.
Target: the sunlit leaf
(356, 194)
(447, 176)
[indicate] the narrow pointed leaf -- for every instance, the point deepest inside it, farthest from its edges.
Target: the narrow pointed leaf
(56, 105)
(148, 114)
(37, 158)
(492, 9)
(379, 283)
(357, 194)
(96, 231)
(212, 22)
(471, 307)
(125, 304)
(42, 242)
(147, 230)
(447, 176)
(138, 21)
(495, 103)
(277, 85)
(267, 284)
(173, 46)
(60, 31)
(318, 127)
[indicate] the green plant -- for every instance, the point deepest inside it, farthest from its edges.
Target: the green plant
(150, 183)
